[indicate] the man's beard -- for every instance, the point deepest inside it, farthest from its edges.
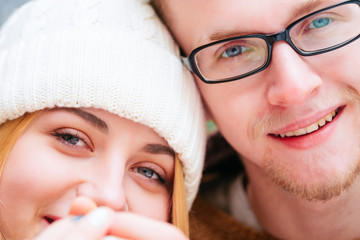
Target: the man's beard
(323, 190)
(312, 187)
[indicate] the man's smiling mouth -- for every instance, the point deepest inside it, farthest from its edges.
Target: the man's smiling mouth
(311, 128)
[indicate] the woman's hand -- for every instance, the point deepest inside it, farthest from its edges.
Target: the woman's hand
(128, 225)
(93, 226)
(91, 223)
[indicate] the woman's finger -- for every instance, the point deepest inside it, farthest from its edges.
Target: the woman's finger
(56, 230)
(92, 226)
(113, 238)
(82, 205)
(130, 226)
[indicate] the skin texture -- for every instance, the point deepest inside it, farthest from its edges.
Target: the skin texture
(296, 186)
(90, 153)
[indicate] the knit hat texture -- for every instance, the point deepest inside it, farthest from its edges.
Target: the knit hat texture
(114, 55)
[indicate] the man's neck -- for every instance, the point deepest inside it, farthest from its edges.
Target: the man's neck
(289, 217)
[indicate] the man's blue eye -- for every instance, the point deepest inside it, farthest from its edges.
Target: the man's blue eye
(232, 51)
(319, 23)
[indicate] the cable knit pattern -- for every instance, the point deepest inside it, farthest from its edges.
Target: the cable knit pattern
(109, 54)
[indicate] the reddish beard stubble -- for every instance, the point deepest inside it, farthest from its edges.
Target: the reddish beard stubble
(322, 185)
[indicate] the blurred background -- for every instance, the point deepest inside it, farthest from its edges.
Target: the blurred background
(7, 7)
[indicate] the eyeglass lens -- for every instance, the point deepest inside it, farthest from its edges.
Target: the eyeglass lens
(316, 33)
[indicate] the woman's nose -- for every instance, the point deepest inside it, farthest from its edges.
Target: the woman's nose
(106, 186)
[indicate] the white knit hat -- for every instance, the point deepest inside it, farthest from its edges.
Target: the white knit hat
(109, 54)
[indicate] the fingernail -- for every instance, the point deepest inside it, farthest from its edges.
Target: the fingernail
(98, 217)
(77, 218)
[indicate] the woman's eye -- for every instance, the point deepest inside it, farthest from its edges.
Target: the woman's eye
(320, 22)
(71, 138)
(146, 172)
(150, 173)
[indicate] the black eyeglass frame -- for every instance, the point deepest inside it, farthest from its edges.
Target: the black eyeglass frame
(270, 39)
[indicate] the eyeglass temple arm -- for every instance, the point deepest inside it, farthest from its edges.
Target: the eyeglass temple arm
(186, 62)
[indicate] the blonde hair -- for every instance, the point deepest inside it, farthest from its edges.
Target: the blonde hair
(180, 216)
(11, 130)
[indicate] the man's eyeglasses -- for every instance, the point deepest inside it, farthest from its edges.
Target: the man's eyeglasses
(239, 57)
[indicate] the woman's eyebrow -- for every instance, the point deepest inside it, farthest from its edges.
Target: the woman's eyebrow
(88, 117)
(159, 149)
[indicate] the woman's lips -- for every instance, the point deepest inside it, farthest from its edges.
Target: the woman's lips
(51, 219)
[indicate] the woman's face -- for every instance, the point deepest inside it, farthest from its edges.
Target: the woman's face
(67, 153)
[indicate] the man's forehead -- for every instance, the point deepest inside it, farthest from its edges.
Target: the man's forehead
(198, 22)
(248, 23)
(294, 8)
(309, 6)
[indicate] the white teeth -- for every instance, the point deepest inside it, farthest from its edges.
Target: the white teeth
(300, 132)
(289, 134)
(329, 117)
(321, 122)
(313, 127)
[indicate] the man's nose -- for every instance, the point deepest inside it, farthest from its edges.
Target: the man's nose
(291, 80)
(105, 185)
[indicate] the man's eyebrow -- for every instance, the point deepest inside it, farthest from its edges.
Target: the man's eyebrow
(306, 8)
(88, 117)
(159, 149)
(219, 35)
(300, 10)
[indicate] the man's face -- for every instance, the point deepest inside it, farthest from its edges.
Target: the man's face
(293, 96)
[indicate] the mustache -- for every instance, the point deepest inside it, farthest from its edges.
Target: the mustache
(277, 118)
